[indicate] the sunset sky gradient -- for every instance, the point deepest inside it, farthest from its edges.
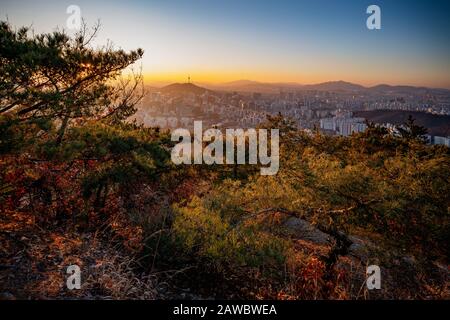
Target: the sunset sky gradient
(269, 41)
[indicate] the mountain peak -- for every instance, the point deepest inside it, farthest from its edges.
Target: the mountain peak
(339, 85)
(186, 87)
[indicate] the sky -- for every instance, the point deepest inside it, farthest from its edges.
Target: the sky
(269, 41)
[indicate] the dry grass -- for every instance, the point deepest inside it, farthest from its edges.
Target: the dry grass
(35, 262)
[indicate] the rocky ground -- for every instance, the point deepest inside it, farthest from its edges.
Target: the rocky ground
(34, 260)
(403, 276)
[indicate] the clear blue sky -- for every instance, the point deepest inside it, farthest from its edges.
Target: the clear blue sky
(301, 41)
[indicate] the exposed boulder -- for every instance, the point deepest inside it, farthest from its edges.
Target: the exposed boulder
(302, 229)
(359, 248)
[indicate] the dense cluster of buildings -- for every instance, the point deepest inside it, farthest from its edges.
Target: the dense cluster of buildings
(343, 123)
(419, 104)
(332, 112)
(440, 140)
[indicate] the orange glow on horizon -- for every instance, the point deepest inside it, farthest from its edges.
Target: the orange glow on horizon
(218, 77)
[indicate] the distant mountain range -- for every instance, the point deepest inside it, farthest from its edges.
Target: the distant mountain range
(337, 86)
(334, 86)
(255, 86)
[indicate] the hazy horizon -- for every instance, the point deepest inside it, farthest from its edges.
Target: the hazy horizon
(268, 41)
(268, 82)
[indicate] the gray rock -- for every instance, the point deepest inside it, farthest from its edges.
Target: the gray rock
(7, 296)
(410, 260)
(359, 248)
(302, 229)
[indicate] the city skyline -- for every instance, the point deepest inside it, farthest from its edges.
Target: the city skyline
(299, 42)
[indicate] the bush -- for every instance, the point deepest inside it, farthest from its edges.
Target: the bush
(207, 235)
